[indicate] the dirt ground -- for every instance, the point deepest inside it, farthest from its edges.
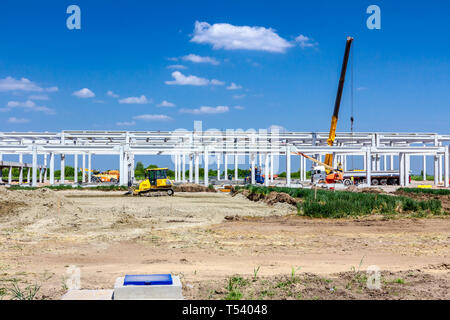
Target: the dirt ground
(216, 243)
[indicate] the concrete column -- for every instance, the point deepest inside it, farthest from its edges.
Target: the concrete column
(121, 167)
(378, 162)
(288, 166)
(392, 162)
(1, 169)
(225, 165)
(62, 179)
(89, 156)
(183, 168)
(34, 171)
(236, 176)
(191, 168)
(52, 168)
(401, 168)
(40, 174)
(218, 166)
(205, 168)
(83, 158)
(271, 168)
(407, 168)
(21, 169)
(365, 162)
(197, 167)
(385, 162)
(28, 175)
(176, 167)
(369, 167)
(124, 168)
(75, 168)
(424, 168)
(440, 168)
(436, 170)
(252, 167)
(446, 167)
(45, 167)
(300, 168)
(10, 175)
(266, 170)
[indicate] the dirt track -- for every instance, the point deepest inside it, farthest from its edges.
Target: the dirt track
(107, 235)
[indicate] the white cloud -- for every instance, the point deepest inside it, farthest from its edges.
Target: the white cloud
(18, 120)
(112, 94)
(166, 104)
(84, 93)
(216, 82)
(239, 107)
(234, 86)
(152, 117)
(135, 100)
(199, 59)
(238, 96)
(230, 37)
(182, 80)
(305, 42)
(23, 84)
(206, 110)
(39, 97)
(176, 66)
(126, 123)
(29, 106)
(12, 84)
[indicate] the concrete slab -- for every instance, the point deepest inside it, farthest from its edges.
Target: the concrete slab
(88, 295)
(151, 292)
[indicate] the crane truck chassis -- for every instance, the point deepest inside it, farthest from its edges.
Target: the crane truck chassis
(390, 177)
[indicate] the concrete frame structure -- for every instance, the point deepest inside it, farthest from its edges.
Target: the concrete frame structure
(262, 145)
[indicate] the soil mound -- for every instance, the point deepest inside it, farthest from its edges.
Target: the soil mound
(191, 187)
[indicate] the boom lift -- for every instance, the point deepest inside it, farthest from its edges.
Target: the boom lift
(332, 175)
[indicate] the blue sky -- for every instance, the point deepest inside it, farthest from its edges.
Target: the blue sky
(401, 72)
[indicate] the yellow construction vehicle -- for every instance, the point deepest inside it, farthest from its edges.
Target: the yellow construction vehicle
(112, 176)
(155, 180)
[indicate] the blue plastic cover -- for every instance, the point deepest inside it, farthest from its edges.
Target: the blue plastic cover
(147, 279)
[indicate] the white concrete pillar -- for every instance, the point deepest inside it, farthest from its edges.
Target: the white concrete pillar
(34, 171)
(266, 170)
(446, 167)
(384, 162)
(225, 165)
(392, 162)
(28, 175)
(218, 166)
(62, 176)
(21, 169)
(271, 167)
(300, 168)
(191, 168)
(75, 168)
(89, 156)
(83, 160)
(125, 168)
(378, 162)
(440, 168)
(205, 168)
(365, 162)
(41, 173)
(436, 170)
(236, 176)
(183, 168)
(407, 168)
(424, 168)
(288, 166)
(176, 167)
(10, 175)
(121, 167)
(45, 167)
(197, 168)
(52, 168)
(252, 167)
(401, 168)
(369, 167)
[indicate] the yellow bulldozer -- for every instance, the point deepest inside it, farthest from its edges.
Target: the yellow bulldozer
(155, 181)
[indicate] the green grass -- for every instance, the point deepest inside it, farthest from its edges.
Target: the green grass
(338, 204)
(441, 192)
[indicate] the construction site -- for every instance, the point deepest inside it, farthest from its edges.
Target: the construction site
(224, 217)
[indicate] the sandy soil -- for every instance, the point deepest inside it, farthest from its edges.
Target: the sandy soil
(206, 238)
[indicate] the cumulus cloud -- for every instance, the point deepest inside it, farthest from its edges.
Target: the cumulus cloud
(239, 107)
(165, 103)
(176, 66)
(199, 59)
(38, 97)
(238, 96)
(135, 100)
(126, 123)
(51, 89)
(152, 117)
(84, 93)
(305, 42)
(29, 106)
(206, 110)
(190, 80)
(23, 84)
(230, 37)
(112, 94)
(234, 86)
(18, 120)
